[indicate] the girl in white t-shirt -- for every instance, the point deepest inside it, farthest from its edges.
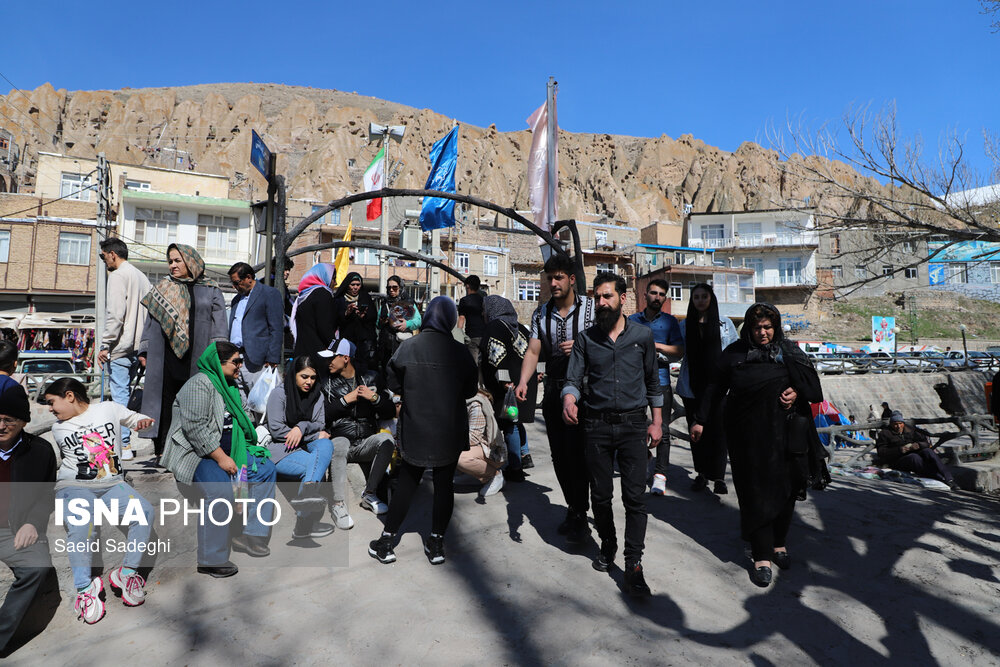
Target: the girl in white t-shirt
(89, 440)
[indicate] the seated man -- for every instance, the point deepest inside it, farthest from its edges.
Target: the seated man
(903, 447)
(27, 482)
(354, 404)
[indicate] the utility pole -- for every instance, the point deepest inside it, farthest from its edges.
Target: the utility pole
(272, 190)
(103, 209)
(383, 236)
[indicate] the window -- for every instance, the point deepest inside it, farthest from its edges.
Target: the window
(366, 256)
(502, 240)
(713, 236)
(350, 162)
(462, 261)
(4, 246)
(757, 264)
(749, 234)
(137, 185)
(887, 270)
(908, 247)
(955, 273)
(911, 272)
(74, 186)
(217, 235)
(491, 265)
(834, 244)
(837, 272)
(860, 271)
(155, 226)
(600, 237)
(74, 248)
(528, 290)
(994, 266)
(676, 292)
(790, 270)
(610, 268)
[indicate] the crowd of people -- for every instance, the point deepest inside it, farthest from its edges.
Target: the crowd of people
(374, 381)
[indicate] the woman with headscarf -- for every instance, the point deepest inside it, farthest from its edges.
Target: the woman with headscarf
(355, 313)
(186, 313)
(774, 451)
(434, 374)
(502, 349)
(212, 451)
(312, 322)
(706, 335)
(398, 318)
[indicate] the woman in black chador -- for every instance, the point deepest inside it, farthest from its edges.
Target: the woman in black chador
(774, 452)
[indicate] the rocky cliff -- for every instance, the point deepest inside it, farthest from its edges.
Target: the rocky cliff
(321, 140)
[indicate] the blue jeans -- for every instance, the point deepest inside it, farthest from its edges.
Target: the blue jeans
(517, 443)
(123, 371)
(308, 465)
(215, 483)
(79, 557)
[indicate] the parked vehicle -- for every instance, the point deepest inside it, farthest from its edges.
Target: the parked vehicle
(39, 367)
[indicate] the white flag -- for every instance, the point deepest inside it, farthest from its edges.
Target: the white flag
(538, 171)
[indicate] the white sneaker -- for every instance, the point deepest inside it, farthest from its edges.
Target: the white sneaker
(341, 517)
(370, 502)
(89, 606)
(129, 588)
(127, 454)
(659, 485)
(491, 487)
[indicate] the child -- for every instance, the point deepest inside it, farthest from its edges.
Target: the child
(88, 437)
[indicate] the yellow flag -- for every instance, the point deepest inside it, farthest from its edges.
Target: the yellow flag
(343, 260)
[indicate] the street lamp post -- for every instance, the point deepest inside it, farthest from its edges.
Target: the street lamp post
(895, 346)
(965, 346)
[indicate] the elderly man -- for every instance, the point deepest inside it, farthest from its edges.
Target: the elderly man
(27, 479)
(903, 447)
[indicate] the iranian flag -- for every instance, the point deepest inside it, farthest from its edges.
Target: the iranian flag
(374, 179)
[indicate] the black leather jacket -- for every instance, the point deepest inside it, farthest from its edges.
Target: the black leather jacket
(358, 420)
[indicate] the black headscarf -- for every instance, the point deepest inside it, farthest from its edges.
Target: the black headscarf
(441, 315)
(762, 353)
(298, 406)
(363, 296)
(702, 344)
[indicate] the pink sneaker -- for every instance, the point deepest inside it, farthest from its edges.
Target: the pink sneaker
(89, 606)
(130, 588)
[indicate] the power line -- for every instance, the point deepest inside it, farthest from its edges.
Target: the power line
(32, 208)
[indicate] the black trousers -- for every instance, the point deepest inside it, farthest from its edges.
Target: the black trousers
(765, 539)
(923, 463)
(35, 584)
(406, 486)
(626, 441)
(663, 449)
(709, 453)
(566, 447)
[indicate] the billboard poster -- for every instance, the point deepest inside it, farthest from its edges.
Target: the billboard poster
(883, 337)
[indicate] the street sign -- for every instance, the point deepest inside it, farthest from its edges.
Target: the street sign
(260, 156)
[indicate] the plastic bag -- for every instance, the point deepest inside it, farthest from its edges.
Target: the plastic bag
(510, 405)
(257, 398)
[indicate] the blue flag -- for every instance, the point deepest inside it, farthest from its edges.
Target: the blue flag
(437, 213)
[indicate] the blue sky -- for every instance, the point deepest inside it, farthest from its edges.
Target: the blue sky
(720, 71)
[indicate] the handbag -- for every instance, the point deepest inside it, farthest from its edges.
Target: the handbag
(135, 395)
(797, 433)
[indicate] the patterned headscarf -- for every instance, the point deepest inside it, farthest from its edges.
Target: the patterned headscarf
(169, 303)
(318, 277)
(496, 307)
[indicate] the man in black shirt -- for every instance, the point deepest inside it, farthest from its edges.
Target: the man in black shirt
(470, 316)
(616, 360)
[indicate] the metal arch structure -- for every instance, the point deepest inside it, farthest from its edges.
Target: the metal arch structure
(374, 246)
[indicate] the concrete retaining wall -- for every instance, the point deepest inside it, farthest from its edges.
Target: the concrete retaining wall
(925, 395)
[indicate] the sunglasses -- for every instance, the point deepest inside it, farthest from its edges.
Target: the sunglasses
(236, 361)
(393, 288)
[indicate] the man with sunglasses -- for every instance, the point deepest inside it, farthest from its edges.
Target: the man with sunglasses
(669, 347)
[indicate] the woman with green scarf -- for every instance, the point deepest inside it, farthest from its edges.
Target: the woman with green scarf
(186, 313)
(211, 449)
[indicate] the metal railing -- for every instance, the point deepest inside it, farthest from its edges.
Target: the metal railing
(898, 364)
(967, 426)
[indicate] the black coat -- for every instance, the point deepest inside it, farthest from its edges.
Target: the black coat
(315, 325)
(889, 444)
(501, 349)
(434, 374)
(33, 478)
(765, 473)
(359, 419)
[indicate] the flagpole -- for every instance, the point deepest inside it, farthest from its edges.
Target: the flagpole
(550, 145)
(383, 270)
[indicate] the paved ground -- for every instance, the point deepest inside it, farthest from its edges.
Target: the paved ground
(882, 572)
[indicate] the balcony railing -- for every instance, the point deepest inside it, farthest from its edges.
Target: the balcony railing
(756, 241)
(156, 251)
(787, 280)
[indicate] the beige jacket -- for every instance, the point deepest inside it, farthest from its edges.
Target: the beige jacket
(126, 316)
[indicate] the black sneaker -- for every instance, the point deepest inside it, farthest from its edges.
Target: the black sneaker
(227, 569)
(513, 475)
(309, 499)
(434, 548)
(699, 484)
(381, 549)
(720, 488)
(306, 527)
(251, 545)
(635, 582)
(579, 531)
(526, 462)
(604, 562)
